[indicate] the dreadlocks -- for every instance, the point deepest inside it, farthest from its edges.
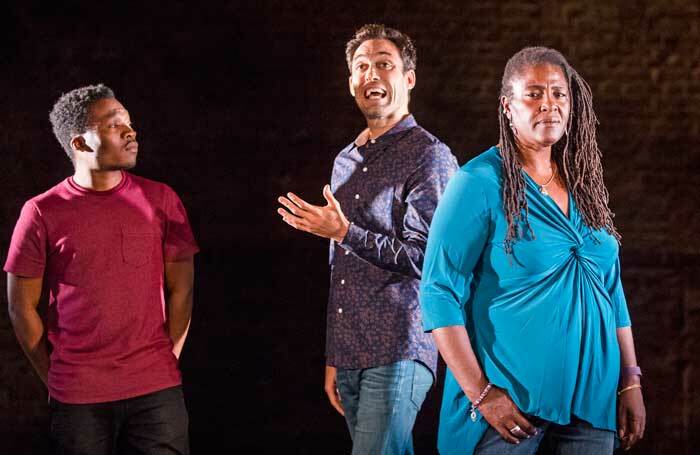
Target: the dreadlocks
(577, 153)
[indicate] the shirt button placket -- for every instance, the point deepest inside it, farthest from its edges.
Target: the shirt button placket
(340, 310)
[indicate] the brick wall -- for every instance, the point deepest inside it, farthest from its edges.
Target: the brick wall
(236, 103)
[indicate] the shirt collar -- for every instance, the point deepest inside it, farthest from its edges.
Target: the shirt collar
(406, 123)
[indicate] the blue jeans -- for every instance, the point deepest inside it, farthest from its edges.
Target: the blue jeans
(381, 405)
(576, 438)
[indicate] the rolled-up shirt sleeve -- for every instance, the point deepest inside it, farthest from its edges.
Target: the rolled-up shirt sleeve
(458, 234)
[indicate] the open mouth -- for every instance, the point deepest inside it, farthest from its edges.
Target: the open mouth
(551, 122)
(375, 93)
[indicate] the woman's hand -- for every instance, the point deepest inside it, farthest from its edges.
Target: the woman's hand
(631, 417)
(503, 415)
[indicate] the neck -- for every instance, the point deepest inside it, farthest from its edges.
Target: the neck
(535, 158)
(97, 180)
(379, 126)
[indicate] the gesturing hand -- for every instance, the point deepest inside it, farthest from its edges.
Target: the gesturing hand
(503, 415)
(327, 221)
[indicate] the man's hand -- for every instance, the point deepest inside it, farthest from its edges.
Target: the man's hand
(331, 388)
(328, 221)
(179, 282)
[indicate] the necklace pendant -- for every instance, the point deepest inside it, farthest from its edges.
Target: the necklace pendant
(544, 191)
(473, 416)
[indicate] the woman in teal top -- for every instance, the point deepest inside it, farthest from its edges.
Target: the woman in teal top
(521, 282)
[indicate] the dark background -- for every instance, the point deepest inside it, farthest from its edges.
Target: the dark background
(236, 103)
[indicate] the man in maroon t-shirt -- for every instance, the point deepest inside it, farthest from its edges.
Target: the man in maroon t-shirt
(115, 252)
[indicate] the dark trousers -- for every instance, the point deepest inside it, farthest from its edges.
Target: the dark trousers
(150, 424)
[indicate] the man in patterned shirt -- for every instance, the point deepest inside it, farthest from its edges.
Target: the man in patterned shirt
(380, 364)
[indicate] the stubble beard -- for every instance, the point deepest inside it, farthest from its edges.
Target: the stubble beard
(373, 112)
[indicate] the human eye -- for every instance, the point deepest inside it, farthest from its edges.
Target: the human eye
(362, 66)
(385, 65)
(560, 94)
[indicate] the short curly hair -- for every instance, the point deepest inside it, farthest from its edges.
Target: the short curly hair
(69, 115)
(378, 31)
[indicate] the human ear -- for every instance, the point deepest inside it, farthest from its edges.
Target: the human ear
(78, 144)
(505, 107)
(410, 79)
(352, 89)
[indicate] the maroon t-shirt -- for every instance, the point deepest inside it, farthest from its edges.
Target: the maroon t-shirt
(102, 255)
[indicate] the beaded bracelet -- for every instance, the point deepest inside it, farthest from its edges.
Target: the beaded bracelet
(633, 386)
(477, 402)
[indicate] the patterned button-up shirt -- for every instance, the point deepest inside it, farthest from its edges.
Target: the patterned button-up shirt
(388, 188)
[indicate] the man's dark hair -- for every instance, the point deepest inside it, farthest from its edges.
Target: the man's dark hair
(379, 31)
(69, 115)
(576, 154)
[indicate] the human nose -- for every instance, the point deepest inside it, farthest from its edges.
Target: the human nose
(371, 73)
(130, 132)
(548, 103)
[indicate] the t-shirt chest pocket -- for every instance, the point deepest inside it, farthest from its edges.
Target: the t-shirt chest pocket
(138, 245)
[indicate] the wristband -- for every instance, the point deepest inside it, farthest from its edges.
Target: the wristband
(630, 371)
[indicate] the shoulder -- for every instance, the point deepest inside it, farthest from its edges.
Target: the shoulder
(144, 182)
(150, 186)
(52, 197)
(427, 153)
(155, 193)
(482, 170)
(344, 151)
(481, 174)
(426, 145)
(486, 165)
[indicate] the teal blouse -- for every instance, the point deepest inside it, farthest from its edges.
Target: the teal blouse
(541, 321)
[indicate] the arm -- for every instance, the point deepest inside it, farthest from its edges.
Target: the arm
(458, 235)
(404, 252)
(23, 296)
(497, 407)
(456, 350)
(179, 282)
(631, 414)
(401, 253)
